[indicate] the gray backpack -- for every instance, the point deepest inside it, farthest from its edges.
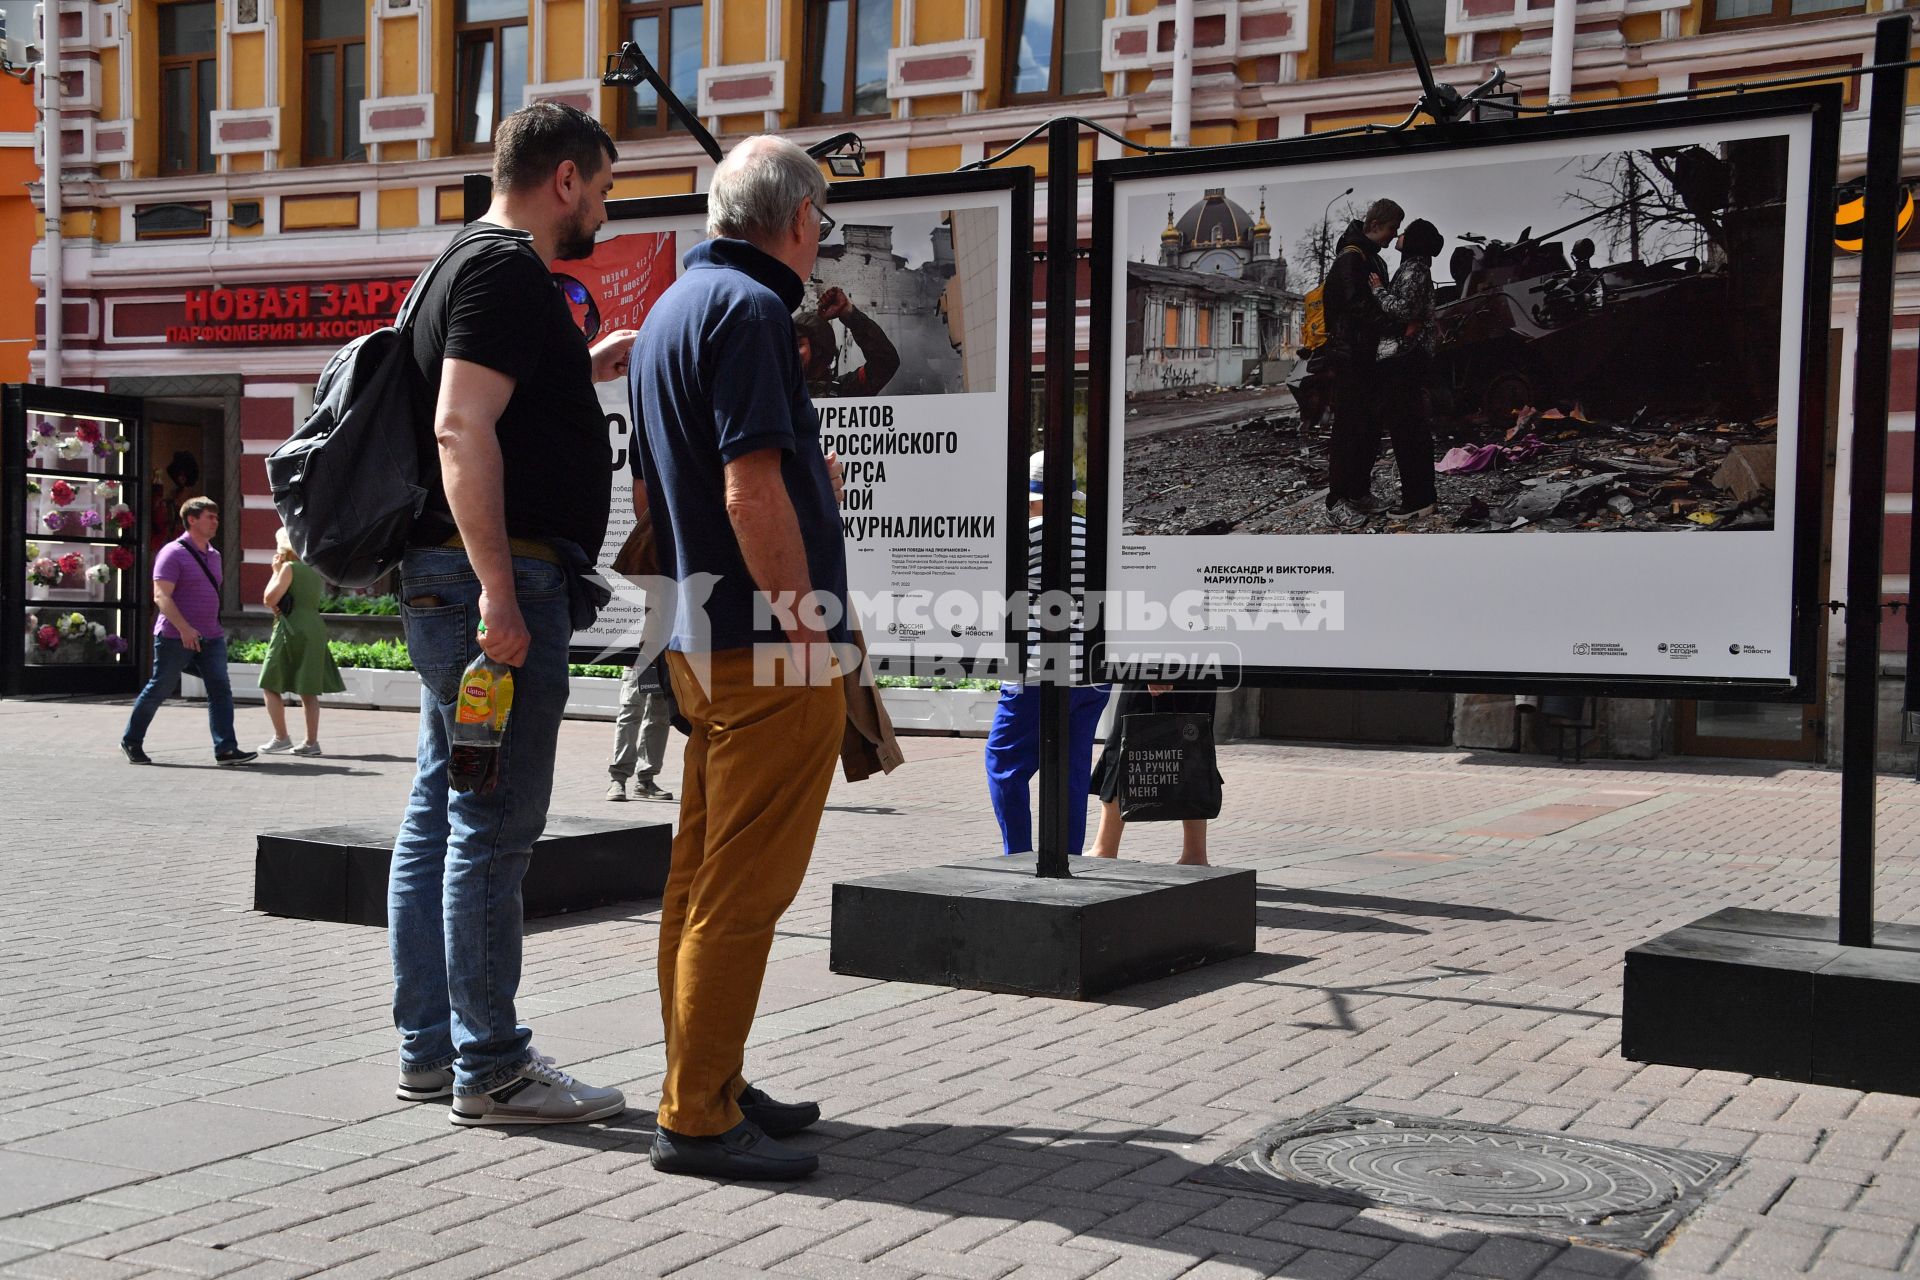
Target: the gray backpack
(347, 483)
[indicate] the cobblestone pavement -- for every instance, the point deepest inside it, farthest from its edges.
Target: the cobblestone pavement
(194, 1089)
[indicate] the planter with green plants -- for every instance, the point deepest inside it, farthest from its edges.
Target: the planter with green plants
(925, 704)
(361, 618)
(379, 674)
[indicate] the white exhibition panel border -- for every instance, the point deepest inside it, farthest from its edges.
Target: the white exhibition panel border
(1587, 605)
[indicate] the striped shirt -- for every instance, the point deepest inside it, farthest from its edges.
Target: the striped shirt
(193, 592)
(1077, 586)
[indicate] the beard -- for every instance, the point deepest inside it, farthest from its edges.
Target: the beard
(576, 238)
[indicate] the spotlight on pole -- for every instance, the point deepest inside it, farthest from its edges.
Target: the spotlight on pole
(845, 154)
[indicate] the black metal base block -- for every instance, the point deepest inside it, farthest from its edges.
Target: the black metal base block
(1770, 993)
(340, 873)
(992, 925)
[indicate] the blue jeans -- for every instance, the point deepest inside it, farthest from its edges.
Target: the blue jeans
(453, 894)
(1013, 757)
(170, 659)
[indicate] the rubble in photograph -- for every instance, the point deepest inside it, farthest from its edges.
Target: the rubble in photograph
(1550, 472)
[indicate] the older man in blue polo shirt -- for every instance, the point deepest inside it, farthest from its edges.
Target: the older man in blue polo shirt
(729, 465)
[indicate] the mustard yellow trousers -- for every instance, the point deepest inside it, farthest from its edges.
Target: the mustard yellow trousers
(758, 765)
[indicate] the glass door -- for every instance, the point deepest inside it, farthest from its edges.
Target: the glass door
(74, 511)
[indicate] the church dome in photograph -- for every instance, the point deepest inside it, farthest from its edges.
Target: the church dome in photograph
(1214, 220)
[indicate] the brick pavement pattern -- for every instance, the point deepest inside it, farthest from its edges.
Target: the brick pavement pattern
(188, 1088)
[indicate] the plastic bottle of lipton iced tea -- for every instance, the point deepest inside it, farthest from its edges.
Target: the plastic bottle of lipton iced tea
(479, 723)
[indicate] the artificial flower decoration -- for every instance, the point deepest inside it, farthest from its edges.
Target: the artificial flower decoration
(56, 520)
(122, 515)
(75, 625)
(89, 519)
(63, 493)
(87, 430)
(101, 449)
(33, 488)
(120, 557)
(47, 638)
(71, 563)
(116, 645)
(44, 572)
(120, 444)
(101, 573)
(108, 491)
(33, 551)
(72, 447)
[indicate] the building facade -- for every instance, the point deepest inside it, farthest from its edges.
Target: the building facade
(19, 293)
(246, 182)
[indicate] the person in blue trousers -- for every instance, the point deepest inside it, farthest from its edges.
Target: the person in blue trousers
(1013, 743)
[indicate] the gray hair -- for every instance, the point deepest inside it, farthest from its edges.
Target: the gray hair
(757, 189)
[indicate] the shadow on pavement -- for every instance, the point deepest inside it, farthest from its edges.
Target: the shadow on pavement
(1395, 906)
(1202, 981)
(1132, 1188)
(1328, 922)
(1666, 764)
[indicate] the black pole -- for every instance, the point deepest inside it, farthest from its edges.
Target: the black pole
(1872, 370)
(1056, 511)
(629, 66)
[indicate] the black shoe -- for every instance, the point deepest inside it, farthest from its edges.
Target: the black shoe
(1401, 511)
(1345, 515)
(647, 789)
(777, 1119)
(134, 754)
(742, 1152)
(235, 757)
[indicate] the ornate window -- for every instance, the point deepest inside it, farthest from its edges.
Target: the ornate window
(668, 32)
(188, 87)
(1364, 35)
(846, 66)
(1053, 48)
(335, 52)
(1727, 15)
(490, 67)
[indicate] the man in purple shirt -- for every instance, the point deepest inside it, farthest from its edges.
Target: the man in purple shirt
(187, 638)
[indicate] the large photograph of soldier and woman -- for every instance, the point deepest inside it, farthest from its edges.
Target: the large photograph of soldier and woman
(1509, 342)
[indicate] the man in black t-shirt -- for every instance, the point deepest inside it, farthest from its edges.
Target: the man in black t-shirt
(519, 484)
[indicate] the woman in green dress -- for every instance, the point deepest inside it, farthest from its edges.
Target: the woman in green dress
(297, 657)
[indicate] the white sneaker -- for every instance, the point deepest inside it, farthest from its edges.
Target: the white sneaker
(279, 746)
(307, 749)
(424, 1086)
(431, 1086)
(540, 1093)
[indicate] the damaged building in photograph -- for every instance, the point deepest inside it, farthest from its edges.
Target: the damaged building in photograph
(1215, 311)
(907, 302)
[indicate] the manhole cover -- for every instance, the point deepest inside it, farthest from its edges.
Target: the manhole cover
(1567, 1187)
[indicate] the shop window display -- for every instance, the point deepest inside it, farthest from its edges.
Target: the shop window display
(78, 595)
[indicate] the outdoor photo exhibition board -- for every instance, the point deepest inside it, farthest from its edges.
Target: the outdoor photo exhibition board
(1610, 360)
(912, 336)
